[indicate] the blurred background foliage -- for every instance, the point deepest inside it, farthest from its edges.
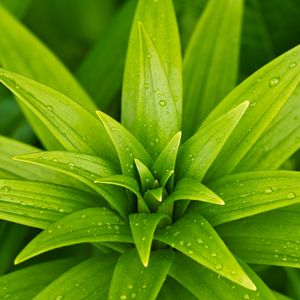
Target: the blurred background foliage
(90, 37)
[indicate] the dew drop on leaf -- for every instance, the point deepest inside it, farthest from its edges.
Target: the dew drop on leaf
(274, 81)
(268, 190)
(219, 267)
(293, 65)
(6, 188)
(162, 103)
(291, 195)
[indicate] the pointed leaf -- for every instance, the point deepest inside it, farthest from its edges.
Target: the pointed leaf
(126, 145)
(279, 141)
(205, 284)
(39, 204)
(127, 281)
(272, 238)
(27, 282)
(210, 66)
(101, 71)
(143, 227)
(85, 168)
(248, 194)
(49, 70)
(165, 163)
(268, 90)
(199, 152)
(127, 182)
(143, 76)
(85, 226)
(61, 116)
(146, 177)
(193, 236)
(69, 284)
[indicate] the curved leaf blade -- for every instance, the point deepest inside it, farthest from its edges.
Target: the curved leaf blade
(84, 226)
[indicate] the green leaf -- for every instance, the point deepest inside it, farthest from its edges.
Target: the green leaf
(279, 296)
(49, 70)
(69, 284)
(26, 283)
(268, 90)
(16, 7)
(127, 281)
(210, 65)
(38, 204)
(84, 168)
(101, 71)
(62, 116)
(293, 282)
(164, 165)
(126, 145)
(198, 153)
(147, 179)
(193, 236)
(127, 182)
(279, 141)
(248, 194)
(90, 225)
(154, 198)
(143, 227)
(205, 284)
(143, 77)
(272, 238)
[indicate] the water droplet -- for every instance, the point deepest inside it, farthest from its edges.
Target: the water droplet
(83, 216)
(146, 85)
(274, 81)
(129, 286)
(71, 165)
(181, 243)
(191, 252)
(149, 55)
(113, 128)
(246, 296)
(292, 65)
(218, 267)
(213, 254)
(133, 295)
(252, 105)
(50, 231)
(61, 210)
(268, 190)
(291, 195)
(199, 241)
(6, 188)
(218, 140)
(162, 103)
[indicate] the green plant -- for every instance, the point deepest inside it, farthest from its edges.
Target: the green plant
(167, 219)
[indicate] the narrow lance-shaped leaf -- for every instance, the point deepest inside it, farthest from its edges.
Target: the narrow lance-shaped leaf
(127, 281)
(248, 194)
(278, 244)
(101, 71)
(210, 65)
(27, 282)
(268, 90)
(62, 116)
(147, 179)
(90, 225)
(279, 141)
(38, 204)
(143, 227)
(198, 153)
(159, 20)
(205, 284)
(193, 236)
(49, 70)
(126, 145)
(84, 168)
(69, 284)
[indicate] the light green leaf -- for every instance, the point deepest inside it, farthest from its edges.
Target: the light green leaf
(90, 225)
(101, 71)
(143, 77)
(164, 165)
(268, 90)
(49, 70)
(69, 284)
(248, 194)
(173, 290)
(154, 197)
(62, 116)
(143, 227)
(84, 168)
(126, 145)
(147, 179)
(193, 236)
(127, 182)
(26, 283)
(210, 65)
(38, 204)
(205, 284)
(127, 281)
(279, 141)
(272, 238)
(279, 296)
(198, 153)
